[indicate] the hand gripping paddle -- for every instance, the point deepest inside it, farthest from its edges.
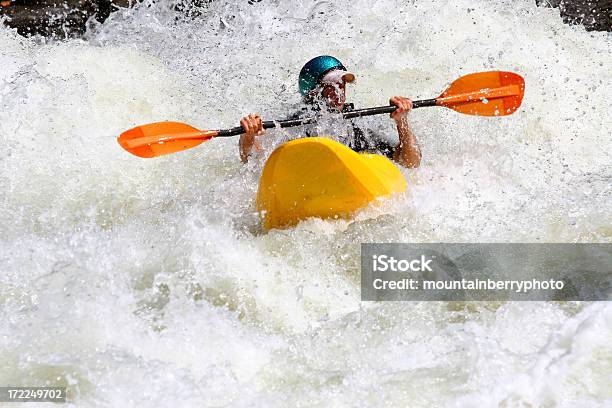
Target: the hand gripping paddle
(493, 93)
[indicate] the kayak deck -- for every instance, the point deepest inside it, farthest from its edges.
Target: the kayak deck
(319, 177)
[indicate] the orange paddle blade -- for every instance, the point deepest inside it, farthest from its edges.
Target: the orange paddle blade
(494, 93)
(158, 139)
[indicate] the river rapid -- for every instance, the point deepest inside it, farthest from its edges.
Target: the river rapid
(149, 282)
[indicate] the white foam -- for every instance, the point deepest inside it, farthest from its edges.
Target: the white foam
(142, 282)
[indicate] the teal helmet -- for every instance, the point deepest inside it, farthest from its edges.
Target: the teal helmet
(315, 69)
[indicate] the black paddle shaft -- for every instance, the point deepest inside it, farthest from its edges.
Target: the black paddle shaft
(238, 130)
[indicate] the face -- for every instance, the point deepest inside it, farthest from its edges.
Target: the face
(334, 95)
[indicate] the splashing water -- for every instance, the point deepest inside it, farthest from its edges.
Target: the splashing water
(145, 282)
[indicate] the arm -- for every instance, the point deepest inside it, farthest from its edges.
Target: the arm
(407, 153)
(252, 127)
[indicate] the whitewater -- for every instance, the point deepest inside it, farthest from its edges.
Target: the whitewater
(149, 282)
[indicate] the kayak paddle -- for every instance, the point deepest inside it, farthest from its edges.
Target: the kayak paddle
(493, 93)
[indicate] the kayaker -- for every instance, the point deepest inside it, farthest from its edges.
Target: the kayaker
(322, 83)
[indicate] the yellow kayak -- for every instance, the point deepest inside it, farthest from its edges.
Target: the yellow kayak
(319, 177)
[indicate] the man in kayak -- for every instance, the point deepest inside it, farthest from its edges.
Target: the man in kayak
(322, 84)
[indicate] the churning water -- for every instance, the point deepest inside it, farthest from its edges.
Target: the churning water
(141, 282)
